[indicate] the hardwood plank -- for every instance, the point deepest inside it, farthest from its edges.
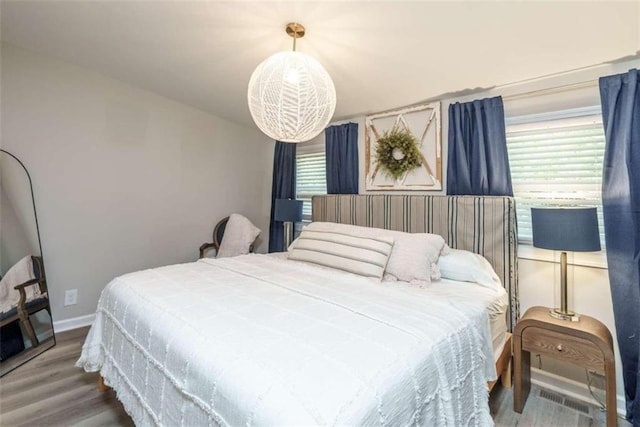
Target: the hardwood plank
(50, 390)
(24, 383)
(92, 406)
(105, 418)
(46, 389)
(24, 357)
(42, 367)
(75, 335)
(34, 409)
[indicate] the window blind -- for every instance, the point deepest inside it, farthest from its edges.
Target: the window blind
(311, 176)
(556, 160)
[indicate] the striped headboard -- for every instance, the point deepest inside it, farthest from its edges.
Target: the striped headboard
(484, 225)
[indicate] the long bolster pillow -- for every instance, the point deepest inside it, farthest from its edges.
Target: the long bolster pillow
(358, 255)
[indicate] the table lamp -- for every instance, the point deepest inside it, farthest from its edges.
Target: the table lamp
(288, 211)
(565, 229)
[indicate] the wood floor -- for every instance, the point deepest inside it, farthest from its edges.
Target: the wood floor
(51, 391)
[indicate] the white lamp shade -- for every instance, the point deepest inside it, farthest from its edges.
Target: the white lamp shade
(291, 97)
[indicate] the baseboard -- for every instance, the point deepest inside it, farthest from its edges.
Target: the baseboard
(73, 323)
(570, 388)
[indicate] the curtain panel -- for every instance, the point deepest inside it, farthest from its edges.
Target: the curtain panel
(283, 186)
(341, 144)
(620, 98)
(478, 163)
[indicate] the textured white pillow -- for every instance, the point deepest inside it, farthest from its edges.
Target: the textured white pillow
(412, 255)
(239, 235)
(466, 266)
(343, 251)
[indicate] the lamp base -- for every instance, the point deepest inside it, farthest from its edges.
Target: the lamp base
(564, 315)
(288, 229)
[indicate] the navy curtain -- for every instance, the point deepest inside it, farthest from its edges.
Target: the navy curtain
(342, 158)
(478, 163)
(283, 186)
(620, 97)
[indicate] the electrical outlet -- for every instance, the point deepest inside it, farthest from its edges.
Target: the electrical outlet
(71, 297)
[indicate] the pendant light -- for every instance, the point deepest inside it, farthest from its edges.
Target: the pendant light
(291, 96)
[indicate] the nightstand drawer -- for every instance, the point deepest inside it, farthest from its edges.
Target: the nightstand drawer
(562, 346)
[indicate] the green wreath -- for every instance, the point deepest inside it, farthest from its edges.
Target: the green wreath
(407, 153)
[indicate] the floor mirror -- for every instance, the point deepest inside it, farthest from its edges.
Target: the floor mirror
(26, 327)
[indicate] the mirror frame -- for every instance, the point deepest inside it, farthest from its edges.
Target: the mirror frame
(29, 353)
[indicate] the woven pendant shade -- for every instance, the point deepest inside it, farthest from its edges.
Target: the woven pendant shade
(291, 97)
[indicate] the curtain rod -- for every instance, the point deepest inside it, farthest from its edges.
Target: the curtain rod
(515, 96)
(518, 95)
(552, 90)
(557, 89)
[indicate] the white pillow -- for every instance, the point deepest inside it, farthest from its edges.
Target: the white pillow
(466, 266)
(239, 235)
(412, 255)
(343, 251)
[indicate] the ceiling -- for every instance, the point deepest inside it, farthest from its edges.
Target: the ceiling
(381, 55)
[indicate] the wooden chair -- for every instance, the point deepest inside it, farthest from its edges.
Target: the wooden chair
(26, 308)
(218, 233)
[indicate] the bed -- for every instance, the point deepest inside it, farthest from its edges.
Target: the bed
(263, 340)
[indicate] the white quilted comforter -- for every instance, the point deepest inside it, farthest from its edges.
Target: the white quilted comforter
(259, 340)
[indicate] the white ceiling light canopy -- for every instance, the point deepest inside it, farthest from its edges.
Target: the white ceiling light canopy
(291, 96)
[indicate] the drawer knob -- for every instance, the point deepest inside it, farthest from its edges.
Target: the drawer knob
(559, 347)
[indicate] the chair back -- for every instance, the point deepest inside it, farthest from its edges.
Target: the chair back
(38, 272)
(218, 232)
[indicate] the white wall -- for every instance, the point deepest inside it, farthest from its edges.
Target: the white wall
(124, 179)
(539, 276)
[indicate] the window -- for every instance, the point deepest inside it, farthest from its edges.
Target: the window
(311, 176)
(556, 160)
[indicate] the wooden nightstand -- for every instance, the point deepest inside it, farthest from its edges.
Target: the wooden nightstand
(586, 343)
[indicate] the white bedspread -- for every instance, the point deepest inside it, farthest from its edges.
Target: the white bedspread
(257, 340)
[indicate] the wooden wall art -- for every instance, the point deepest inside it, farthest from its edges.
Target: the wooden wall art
(386, 131)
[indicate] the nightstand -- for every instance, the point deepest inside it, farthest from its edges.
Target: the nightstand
(586, 343)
